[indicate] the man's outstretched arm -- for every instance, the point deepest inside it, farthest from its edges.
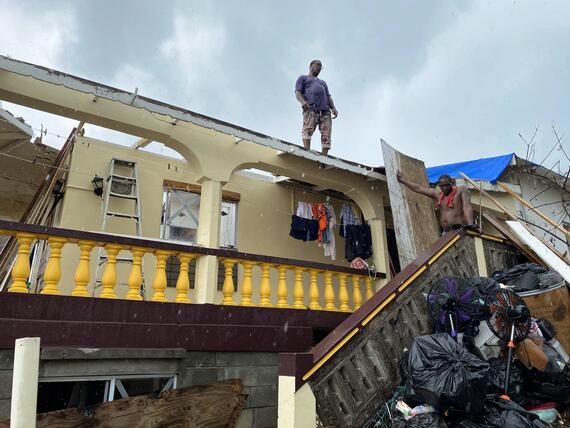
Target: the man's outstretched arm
(333, 108)
(467, 207)
(432, 193)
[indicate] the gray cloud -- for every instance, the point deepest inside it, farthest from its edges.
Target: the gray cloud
(441, 81)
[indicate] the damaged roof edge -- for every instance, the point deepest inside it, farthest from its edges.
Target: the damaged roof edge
(14, 121)
(133, 99)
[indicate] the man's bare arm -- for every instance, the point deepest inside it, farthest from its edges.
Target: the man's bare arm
(467, 207)
(333, 108)
(432, 193)
(302, 100)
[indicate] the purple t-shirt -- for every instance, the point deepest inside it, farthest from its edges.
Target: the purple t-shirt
(315, 91)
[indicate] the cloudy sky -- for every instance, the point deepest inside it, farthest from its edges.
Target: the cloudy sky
(443, 81)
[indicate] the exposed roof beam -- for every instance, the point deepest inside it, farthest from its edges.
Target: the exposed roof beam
(141, 143)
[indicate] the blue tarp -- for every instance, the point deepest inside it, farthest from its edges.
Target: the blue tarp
(489, 169)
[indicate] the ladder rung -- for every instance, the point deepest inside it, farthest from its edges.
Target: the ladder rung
(120, 195)
(122, 215)
(123, 177)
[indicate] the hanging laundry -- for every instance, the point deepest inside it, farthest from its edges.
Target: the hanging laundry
(358, 242)
(329, 243)
(347, 216)
(303, 226)
(320, 214)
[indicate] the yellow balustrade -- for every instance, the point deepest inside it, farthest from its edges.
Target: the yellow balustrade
(52, 274)
(356, 292)
(21, 269)
(247, 286)
(109, 279)
(282, 287)
(183, 282)
(159, 283)
(369, 289)
(314, 290)
(135, 276)
(298, 290)
(265, 286)
(228, 288)
(329, 292)
(342, 293)
(82, 273)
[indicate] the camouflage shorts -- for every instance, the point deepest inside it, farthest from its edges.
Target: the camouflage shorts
(324, 120)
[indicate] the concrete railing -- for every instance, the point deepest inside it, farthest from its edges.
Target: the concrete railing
(324, 287)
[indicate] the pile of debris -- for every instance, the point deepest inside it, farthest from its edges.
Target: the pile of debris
(488, 363)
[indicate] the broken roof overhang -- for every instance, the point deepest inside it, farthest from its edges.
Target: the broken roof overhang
(133, 99)
(12, 128)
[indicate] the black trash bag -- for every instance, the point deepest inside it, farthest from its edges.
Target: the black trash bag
(524, 277)
(403, 366)
(486, 286)
(515, 416)
(431, 420)
(446, 376)
(546, 328)
(497, 371)
(549, 385)
(550, 278)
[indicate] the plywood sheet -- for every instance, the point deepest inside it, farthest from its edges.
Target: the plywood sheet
(415, 221)
(211, 406)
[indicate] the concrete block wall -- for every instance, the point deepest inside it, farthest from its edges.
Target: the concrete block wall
(258, 372)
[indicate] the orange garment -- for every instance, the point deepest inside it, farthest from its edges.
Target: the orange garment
(320, 214)
(448, 198)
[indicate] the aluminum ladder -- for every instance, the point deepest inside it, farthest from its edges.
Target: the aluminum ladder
(124, 186)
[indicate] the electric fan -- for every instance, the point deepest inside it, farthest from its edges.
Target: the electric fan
(453, 304)
(510, 321)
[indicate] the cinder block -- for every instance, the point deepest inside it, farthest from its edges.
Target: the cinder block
(267, 375)
(245, 419)
(6, 360)
(200, 376)
(261, 396)
(4, 409)
(232, 359)
(265, 417)
(248, 375)
(5, 384)
(200, 359)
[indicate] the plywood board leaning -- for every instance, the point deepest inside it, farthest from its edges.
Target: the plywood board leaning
(415, 221)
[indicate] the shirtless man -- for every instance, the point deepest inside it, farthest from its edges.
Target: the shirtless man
(453, 201)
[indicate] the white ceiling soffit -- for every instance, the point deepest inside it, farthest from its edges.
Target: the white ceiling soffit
(133, 99)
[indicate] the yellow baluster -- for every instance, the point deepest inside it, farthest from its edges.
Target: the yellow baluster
(356, 292)
(329, 292)
(159, 283)
(298, 290)
(135, 276)
(342, 293)
(52, 273)
(21, 269)
(282, 287)
(369, 290)
(228, 289)
(183, 282)
(265, 286)
(82, 273)
(109, 279)
(314, 291)
(247, 286)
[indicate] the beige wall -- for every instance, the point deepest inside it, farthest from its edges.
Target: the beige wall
(263, 215)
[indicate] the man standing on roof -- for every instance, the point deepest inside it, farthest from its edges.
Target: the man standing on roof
(453, 201)
(317, 104)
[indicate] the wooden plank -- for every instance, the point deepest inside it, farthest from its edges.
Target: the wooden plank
(211, 406)
(415, 221)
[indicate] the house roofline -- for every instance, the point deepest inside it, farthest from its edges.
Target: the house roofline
(134, 99)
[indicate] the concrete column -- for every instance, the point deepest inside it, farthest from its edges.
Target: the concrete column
(295, 409)
(380, 256)
(208, 236)
(25, 383)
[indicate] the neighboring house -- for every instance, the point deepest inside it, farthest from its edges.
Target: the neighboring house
(544, 189)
